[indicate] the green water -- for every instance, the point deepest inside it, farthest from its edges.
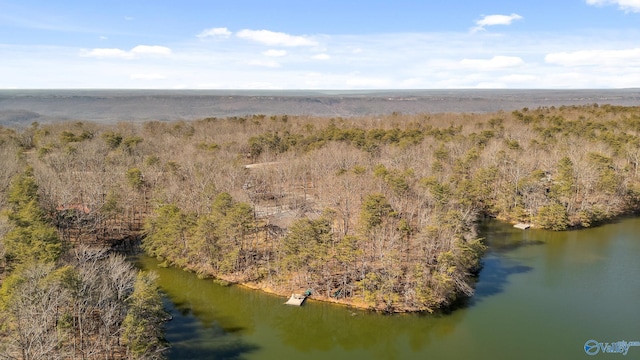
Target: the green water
(539, 295)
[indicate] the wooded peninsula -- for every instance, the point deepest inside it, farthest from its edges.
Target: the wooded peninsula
(378, 212)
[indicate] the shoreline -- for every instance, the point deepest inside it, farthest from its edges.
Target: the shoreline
(362, 306)
(228, 281)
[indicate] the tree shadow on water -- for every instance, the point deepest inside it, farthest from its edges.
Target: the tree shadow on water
(509, 246)
(189, 338)
(492, 280)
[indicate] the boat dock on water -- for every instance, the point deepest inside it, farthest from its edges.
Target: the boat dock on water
(298, 299)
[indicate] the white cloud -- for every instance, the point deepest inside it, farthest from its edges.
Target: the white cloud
(106, 53)
(492, 20)
(626, 5)
(626, 57)
(490, 85)
(152, 76)
(273, 38)
(220, 32)
(495, 63)
(264, 63)
(518, 79)
(151, 50)
(368, 82)
(103, 37)
(392, 60)
(321, 57)
(260, 85)
(275, 53)
(136, 52)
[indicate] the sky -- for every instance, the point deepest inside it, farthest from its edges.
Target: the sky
(319, 44)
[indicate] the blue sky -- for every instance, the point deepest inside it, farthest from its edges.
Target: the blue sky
(320, 44)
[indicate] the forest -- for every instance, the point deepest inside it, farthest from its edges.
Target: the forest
(378, 212)
(62, 300)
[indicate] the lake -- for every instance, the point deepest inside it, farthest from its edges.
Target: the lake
(540, 294)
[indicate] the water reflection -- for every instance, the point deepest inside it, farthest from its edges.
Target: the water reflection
(502, 238)
(495, 276)
(190, 339)
(322, 327)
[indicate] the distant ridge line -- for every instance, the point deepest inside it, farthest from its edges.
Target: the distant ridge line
(46, 105)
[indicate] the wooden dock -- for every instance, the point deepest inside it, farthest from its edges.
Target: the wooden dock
(296, 299)
(522, 226)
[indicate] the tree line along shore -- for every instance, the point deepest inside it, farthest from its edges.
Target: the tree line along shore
(377, 212)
